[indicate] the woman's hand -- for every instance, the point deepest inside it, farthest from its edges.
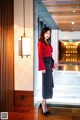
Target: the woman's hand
(43, 71)
(55, 65)
(52, 69)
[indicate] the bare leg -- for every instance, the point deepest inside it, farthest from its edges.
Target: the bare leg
(44, 106)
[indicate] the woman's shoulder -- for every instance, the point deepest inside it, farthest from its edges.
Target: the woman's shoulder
(41, 42)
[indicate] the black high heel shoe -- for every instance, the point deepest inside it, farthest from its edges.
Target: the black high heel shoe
(47, 112)
(44, 113)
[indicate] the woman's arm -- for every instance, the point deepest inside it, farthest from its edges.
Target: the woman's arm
(41, 65)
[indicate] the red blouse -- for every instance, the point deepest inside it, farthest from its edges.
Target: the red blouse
(44, 50)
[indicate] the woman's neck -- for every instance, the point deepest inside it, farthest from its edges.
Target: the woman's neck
(46, 41)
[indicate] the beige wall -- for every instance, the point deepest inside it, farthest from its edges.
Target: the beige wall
(23, 67)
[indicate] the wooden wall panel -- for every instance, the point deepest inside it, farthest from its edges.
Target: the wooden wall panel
(6, 55)
(24, 99)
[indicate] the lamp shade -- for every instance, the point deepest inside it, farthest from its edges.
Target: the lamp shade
(25, 43)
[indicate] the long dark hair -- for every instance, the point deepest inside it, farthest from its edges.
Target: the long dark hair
(44, 30)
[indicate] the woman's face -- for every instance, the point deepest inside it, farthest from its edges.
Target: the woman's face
(47, 34)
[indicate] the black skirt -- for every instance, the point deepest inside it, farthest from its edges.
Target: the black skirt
(47, 79)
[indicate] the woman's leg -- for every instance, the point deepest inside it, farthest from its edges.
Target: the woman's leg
(44, 105)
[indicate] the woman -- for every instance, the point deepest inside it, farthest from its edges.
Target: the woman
(46, 65)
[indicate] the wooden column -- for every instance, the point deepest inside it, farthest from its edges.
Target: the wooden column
(6, 55)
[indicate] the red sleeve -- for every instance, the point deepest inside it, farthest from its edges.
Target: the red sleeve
(41, 65)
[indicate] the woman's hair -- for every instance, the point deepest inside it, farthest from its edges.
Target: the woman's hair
(44, 30)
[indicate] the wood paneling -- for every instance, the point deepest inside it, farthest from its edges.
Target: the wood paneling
(64, 11)
(24, 99)
(6, 55)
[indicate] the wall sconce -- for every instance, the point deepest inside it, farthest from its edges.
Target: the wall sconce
(24, 44)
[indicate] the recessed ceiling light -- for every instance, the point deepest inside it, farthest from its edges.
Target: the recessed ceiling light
(72, 28)
(72, 22)
(74, 11)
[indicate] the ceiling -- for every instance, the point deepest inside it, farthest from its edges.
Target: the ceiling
(45, 16)
(65, 13)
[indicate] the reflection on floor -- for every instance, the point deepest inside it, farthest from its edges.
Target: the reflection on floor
(69, 67)
(67, 85)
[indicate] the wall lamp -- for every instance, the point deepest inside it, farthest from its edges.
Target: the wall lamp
(24, 43)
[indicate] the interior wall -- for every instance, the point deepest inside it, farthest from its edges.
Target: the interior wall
(69, 35)
(23, 67)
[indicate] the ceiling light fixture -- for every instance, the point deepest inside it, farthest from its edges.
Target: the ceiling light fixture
(25, 40)
(72, 22)
(72, 28)
(73, 11)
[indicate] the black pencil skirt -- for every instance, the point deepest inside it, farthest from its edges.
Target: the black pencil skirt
(47, 79)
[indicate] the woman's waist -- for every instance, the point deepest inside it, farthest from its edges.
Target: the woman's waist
(47, 54)
(48, 59)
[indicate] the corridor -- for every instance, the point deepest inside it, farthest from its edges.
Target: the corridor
(66, 89)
